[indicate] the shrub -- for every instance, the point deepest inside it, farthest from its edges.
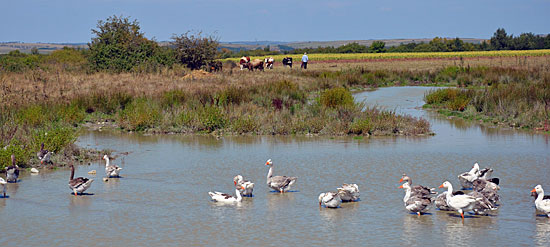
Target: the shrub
(139, 115)
(119, 45)
(211, 118)
(194, 50)
(173, 98)
(336, 97)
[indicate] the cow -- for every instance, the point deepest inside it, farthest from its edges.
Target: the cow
(287, 61)
(215, 66)
(269, 62)
(256, 64)
(244, 61)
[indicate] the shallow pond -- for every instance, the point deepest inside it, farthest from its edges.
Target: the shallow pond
(162, 198)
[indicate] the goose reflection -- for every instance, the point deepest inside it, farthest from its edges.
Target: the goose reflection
(542, 234)
(344, 213)
(77, 203)
(415, 229)
(276, 200)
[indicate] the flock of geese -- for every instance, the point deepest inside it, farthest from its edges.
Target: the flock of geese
(77, 185)
(482, 199)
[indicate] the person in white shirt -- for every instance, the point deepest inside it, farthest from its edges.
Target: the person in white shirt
(305, 59)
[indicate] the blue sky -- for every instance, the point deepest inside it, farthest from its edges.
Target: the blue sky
(276, 20)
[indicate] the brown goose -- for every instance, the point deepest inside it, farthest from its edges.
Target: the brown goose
(12, 172)
(43, 155)
(417, 189)
(79, 184)
(279, 183)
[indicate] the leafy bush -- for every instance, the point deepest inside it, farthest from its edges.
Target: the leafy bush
(139, 115)
(211, 118)
(194, 50)
(336, 97)
(119, 45)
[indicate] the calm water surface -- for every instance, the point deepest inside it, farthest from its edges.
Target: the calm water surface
(162, 198)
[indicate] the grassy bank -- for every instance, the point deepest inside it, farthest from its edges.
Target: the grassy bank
(60, 101)
(515, 98)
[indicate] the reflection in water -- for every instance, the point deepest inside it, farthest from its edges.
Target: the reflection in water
(80, 202)
(542, 235)
(415, 228)
(341, 214)
(276, 201)
(11, 189)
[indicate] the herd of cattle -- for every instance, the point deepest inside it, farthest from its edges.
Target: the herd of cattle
(246, 63)
(258, 64)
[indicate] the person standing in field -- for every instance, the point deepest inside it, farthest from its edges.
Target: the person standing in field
(305, 59)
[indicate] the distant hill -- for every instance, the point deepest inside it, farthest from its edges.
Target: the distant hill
(6, 47)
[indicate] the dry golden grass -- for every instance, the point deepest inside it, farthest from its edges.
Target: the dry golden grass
(39, 86)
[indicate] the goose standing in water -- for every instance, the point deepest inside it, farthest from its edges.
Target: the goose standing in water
(279, 183)
(112, 171)
(349, 192)
(79, 184)
(488, 187)
(466, 179)
(541, 204)
(3, 183)
(247, 185)
(461, 203)
(441, 200)
(12, 172)
(44, 155)
(483, 206)
(330, 199)
(417, 189)
(415, 203)
(222, 197)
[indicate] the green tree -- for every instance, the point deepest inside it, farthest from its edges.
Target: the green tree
(352, 48)
(119, 45)
(195, 50)
(377, 47)
(500, 40)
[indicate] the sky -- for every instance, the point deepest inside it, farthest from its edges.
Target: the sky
(71, 21)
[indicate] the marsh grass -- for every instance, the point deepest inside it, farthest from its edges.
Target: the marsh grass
(277, 102)
(518, 99)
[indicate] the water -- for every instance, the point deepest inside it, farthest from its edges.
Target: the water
(162, 198)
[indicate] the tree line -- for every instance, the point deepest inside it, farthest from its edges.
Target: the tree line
(118, 45)
(499, 41)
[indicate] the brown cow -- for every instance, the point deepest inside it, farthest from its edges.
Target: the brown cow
(256, 64)
(243, 62)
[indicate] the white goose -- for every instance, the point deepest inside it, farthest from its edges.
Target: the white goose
(330, 200)
(441, 200)
(466, 179)
(222, 197)
(79, 184)
(461, 203)
(349, 192)
(3, 183)
(417, 203)
(541, 204)
(247, 185)
(278, 183)
(112, 171)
